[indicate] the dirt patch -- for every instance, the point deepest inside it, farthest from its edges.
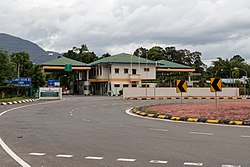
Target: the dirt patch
(230, 110)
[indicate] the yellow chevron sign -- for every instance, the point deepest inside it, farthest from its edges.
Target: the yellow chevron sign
(215, 84)
(181, 86)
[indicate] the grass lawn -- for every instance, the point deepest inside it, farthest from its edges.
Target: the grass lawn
(14, 99)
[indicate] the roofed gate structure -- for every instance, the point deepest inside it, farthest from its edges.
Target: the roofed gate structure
(81, 83)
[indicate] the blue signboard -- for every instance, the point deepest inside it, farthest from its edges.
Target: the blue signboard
(53, 83)
(21, 82)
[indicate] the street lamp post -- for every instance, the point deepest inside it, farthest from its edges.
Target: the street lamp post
(230, 80)
(236, 68)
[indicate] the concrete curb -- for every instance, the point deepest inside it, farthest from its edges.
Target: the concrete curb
(19, 101)
(137, 111)
(189, 98)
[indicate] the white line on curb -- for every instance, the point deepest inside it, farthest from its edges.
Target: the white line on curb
(13, 155)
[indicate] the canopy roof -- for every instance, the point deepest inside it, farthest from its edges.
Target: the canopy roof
(61, 61)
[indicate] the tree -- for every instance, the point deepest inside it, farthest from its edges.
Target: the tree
(156, 53)
(24, 67)
(105, 55)
(81, 54)
(38, 77)
(141, 52)
(6, 67)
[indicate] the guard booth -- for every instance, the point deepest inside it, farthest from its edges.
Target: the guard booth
(80, 83)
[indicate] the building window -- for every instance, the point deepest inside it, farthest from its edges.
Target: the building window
(146, 69)
(117, 85)
(134, 84)
(133, 71)
(125, 70)
(100, 70)
(117, 70)
(125, 85)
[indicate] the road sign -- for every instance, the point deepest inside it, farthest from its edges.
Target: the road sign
(21, 82)
(181, 86)
(215, 85)
(53, 83)
(68, 67)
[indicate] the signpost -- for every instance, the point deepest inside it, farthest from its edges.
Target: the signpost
(21, 82)
(215, 87)
(181, 86)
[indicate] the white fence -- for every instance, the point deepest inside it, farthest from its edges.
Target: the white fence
(164, 92)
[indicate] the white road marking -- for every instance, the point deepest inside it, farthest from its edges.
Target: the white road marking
(114, 104)
(193, 164)
(158, 162)
(76, 108)
(163, 130)
(201, 133)
(37, 154)
(6, 148)
(13, 155)
(94, 158)
(126, 160)
(230, 166)
(86, 120)
(64, 156)
(244, 136)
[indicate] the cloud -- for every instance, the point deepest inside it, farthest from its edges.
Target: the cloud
(214, 27)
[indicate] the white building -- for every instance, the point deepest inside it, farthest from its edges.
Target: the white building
(111, 74)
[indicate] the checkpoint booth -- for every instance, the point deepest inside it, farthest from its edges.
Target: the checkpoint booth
(80, 83)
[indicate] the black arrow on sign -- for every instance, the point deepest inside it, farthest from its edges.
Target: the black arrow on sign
(180, 86)
(215, 84)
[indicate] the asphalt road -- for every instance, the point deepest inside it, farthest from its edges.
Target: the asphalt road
(97, 132)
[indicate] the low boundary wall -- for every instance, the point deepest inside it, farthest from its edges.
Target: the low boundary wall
(161, 92)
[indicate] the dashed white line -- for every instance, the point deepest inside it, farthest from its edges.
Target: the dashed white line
(94, 158)
(158, 162)
(230, 166)
(192, 164)
(86, 120)
(64, 156)
(13, 155)
(155, 129)
(126, 160)
(244, 136)
(37, 154)
(201, 133)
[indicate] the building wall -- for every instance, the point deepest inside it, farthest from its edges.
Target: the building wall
(118, 78)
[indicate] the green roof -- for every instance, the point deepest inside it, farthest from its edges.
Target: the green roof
(61, 61)
(123, 58)
(170, 64)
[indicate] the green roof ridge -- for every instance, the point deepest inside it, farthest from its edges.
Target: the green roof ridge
(171, 64)
(123, 58)
(61, 61)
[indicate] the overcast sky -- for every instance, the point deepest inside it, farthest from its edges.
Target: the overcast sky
(216, 28)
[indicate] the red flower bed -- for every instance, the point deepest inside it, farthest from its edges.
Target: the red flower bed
(231, 110)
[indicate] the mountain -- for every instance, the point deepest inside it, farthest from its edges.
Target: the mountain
(15, 44)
